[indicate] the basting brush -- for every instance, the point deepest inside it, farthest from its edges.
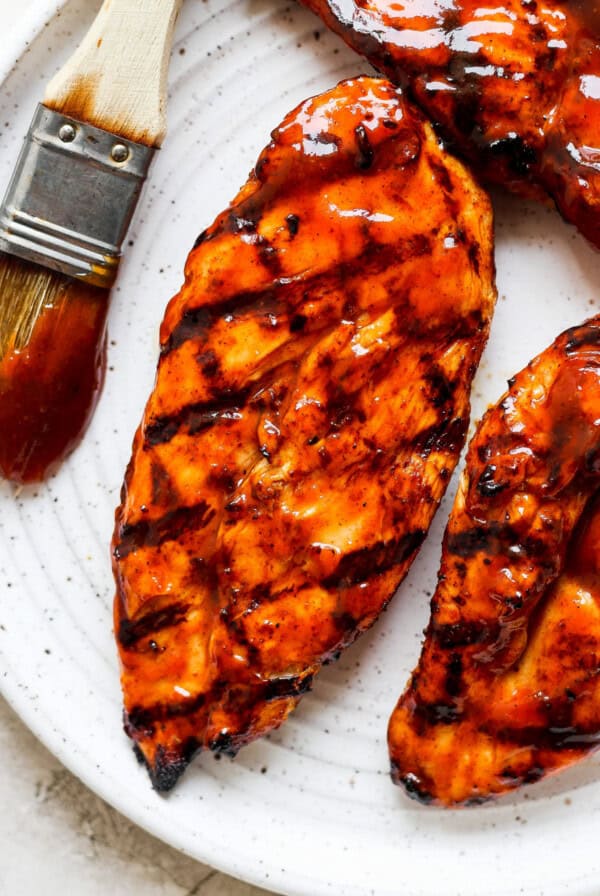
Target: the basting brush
(62, 226)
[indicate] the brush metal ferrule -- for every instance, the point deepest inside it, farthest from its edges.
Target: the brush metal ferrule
(72, 196)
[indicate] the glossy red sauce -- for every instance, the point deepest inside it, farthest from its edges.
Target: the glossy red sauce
(589, 13)
(512, 86)
(49, 389)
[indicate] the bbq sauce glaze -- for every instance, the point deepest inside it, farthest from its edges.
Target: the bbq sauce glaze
(512, 86)
(310, 404)
(508, 685)
(49, 388)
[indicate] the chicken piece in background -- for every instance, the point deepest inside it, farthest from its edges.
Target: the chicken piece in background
(512, 86)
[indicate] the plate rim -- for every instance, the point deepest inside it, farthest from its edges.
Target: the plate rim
(30, 28)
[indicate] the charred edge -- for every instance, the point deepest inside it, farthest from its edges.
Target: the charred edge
(162, 430)
(194, 320)
(479, 800)
(533, 774)
(194, 417)
(131, 632)
(365, 155)
(202, 238)
(442, 334)
(472, 325)
(375, 257)
(223, 744)
(579, 337)
(448, 436)
(153, 533)
(137, 725)
(511, 778)
(413, 786)
(346, 622)
(360, 565)
(519, 156)
(139, 755)
(168, 768)
(280, 688)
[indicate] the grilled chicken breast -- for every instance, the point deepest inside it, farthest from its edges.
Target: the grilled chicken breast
(508, 684)
(311, 400)
(513, 86)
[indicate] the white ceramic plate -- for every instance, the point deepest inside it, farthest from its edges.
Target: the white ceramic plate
(311, 810)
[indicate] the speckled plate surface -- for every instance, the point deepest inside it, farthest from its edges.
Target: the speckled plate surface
(311, 810)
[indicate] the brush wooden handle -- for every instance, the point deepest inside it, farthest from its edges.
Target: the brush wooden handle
(117, 78)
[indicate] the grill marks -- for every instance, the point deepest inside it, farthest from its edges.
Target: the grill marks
(508, 683)
(360, 565)
(342, 410)
(582, 337)
(354, 568)
(195, 323)
(143, 719)
(324, 414)
(194, 418)
(131, 632)
(286, 298)
(152, 533)
(491, 539)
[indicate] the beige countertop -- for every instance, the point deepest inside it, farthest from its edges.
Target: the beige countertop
(59, 838)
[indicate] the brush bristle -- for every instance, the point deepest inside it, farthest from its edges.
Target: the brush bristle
(25, 290)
